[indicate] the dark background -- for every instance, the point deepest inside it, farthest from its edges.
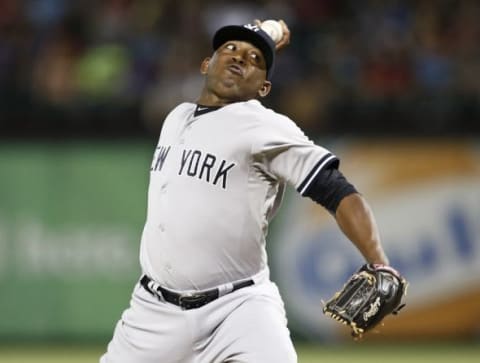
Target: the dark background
(114, 68)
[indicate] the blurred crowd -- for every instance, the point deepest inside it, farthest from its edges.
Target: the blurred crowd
(116, 67)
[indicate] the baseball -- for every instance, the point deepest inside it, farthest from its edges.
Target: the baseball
(273, 28)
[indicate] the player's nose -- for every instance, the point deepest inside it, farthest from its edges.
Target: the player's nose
(239, 58)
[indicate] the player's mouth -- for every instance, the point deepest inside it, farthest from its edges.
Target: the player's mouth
(236, 69)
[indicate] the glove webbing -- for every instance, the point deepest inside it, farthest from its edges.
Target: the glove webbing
(363, 285)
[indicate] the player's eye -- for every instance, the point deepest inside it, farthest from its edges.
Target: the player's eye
(231, 46)
(255, 57)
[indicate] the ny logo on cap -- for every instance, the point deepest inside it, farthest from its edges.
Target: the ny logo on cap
(253, 27)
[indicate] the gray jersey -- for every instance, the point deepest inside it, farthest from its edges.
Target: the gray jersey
(216, 181)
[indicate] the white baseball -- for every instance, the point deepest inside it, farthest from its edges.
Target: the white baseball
(273, 28)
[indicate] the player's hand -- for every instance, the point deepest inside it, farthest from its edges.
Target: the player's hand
(282, 43)
(285, 38)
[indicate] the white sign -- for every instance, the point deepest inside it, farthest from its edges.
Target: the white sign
(431, 233)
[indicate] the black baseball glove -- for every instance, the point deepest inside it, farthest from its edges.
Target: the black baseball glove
(373, 292)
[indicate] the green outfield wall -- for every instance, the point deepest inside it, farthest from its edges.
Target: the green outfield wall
(71, 216)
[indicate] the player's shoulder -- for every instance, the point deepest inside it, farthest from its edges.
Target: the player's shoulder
(266, 116)
(255, 106)
(178, 114)
(182, 110)
(272, 122)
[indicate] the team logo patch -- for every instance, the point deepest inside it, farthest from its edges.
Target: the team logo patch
(253, 27)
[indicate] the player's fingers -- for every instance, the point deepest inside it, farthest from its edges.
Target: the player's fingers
(285, 37)
(286, 31)
(284, 26)
(257, 22)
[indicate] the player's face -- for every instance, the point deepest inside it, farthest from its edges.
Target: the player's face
(236, 72)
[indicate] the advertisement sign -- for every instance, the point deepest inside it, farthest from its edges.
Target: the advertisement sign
(71, 217)
(426, 199)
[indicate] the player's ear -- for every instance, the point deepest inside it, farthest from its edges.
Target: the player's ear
(265, 90)
(204, 65)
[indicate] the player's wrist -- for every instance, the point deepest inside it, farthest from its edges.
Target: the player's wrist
(380, 261)
(374, 253)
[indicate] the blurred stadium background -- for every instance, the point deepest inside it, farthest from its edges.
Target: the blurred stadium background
(391, 86)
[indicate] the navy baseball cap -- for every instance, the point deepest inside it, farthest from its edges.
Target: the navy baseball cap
(250, 33)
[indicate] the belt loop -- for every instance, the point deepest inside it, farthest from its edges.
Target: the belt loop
(151, 285)
(225, 289)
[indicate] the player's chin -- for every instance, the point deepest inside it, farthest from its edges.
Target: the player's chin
(234, 91)
(232, 80)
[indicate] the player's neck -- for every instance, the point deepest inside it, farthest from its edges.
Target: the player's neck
(208, 98)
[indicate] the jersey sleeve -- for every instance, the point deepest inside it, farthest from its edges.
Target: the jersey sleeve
(288, 154)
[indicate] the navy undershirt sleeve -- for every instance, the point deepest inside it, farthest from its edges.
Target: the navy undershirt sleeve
(329, 187)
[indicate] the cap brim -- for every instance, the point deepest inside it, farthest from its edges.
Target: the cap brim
(257, 37)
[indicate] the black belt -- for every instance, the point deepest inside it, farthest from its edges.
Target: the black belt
(188, 301)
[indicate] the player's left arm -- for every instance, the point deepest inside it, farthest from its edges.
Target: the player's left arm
(354, 216)
(356, 220)
(288, 154)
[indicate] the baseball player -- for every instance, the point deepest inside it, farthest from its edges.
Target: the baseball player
(216, 180)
